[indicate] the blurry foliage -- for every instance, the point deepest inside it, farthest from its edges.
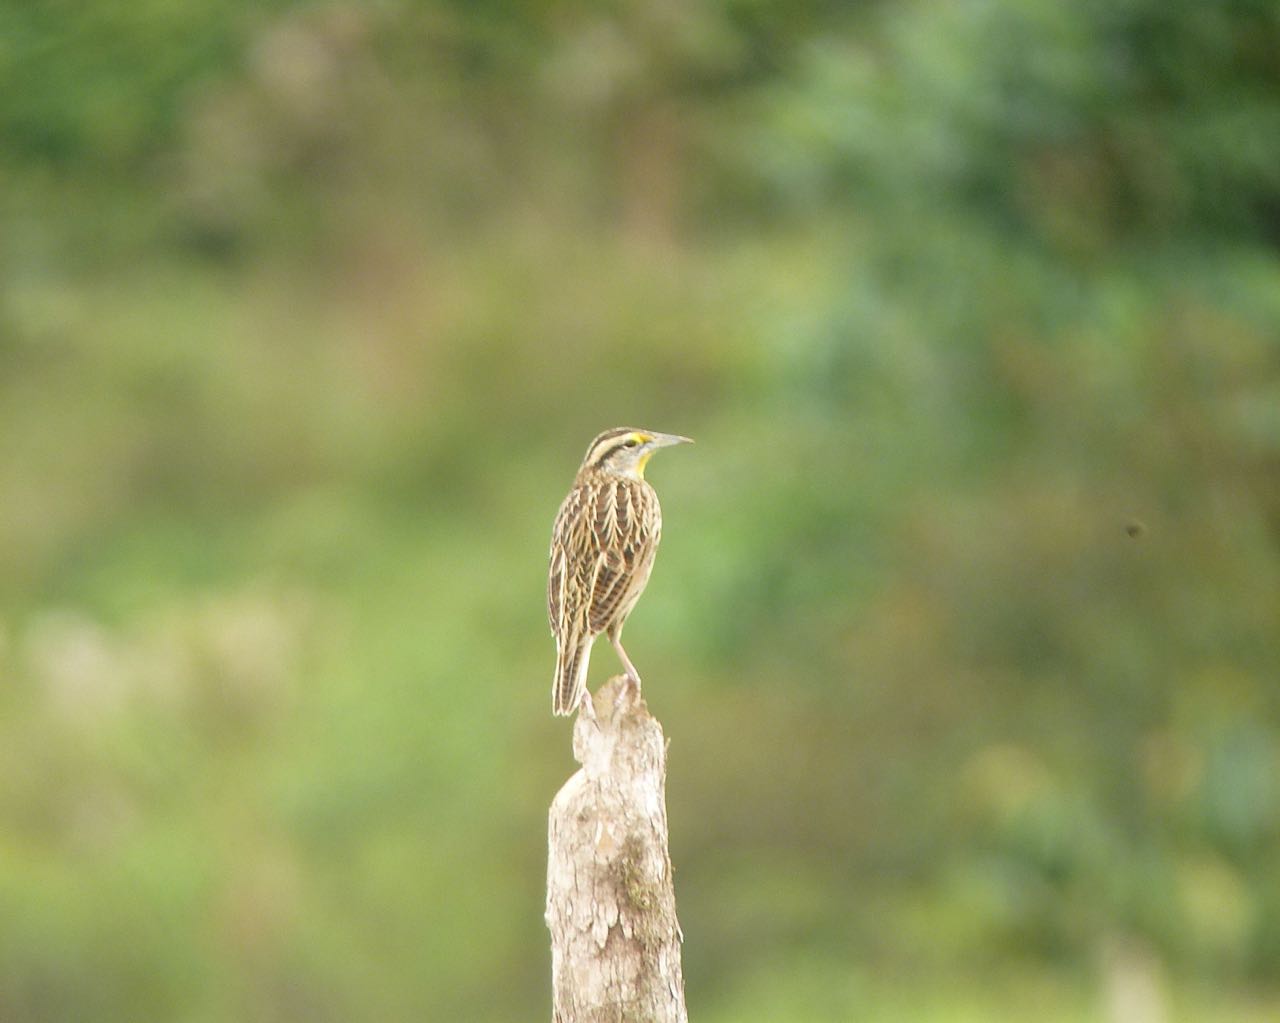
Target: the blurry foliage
(965, 629)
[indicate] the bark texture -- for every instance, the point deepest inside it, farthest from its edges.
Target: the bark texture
(611, 905)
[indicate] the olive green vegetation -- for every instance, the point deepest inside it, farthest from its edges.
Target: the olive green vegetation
(966, 627)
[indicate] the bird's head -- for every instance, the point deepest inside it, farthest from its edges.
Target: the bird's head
(625, 451)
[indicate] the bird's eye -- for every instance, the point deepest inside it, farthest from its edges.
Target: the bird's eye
(632, 442)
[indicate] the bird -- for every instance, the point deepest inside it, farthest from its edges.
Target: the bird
(602, 549)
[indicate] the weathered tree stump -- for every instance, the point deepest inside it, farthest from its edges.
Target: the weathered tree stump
(611, 905)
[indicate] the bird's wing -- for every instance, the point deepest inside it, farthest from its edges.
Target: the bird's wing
(556, 578)
(564, 542)
(602, 546)
(611, 579)
(625, 541)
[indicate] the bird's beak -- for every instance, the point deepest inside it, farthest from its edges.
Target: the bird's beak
(666, 440)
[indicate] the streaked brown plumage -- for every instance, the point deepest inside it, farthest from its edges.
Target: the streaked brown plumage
(602, 549)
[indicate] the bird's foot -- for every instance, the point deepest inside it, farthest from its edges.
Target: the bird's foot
(632, 684)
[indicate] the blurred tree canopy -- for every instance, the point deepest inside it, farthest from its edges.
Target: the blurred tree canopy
(967, 624)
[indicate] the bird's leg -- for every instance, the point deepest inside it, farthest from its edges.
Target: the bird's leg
(615, 637)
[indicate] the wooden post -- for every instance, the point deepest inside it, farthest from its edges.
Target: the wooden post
(611, 904)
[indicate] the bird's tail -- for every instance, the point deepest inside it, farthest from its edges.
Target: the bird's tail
(570, 685)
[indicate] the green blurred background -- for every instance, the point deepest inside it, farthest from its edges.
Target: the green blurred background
(966, 628)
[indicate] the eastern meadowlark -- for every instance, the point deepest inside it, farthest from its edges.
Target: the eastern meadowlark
(602, 547)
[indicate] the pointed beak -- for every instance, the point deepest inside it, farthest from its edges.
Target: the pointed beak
(666, 440)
